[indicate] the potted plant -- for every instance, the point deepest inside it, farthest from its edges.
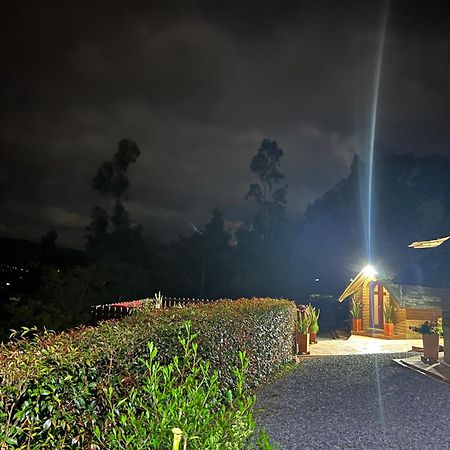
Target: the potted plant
(430, 339)
(356, 312)
(314, 314)
(389, 320)
(302, 335)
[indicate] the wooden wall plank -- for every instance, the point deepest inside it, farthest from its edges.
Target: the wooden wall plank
(400, 327)
(365, 299)
(423, 314)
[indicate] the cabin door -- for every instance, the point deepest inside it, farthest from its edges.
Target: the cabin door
(377, 305)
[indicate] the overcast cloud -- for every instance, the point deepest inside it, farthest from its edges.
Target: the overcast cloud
(198, 87)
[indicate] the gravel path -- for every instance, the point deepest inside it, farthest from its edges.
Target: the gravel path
(355, 402)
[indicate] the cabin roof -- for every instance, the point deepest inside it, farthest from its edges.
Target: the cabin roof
(429, 244)
(417, 297)
(360, 279)
(407, 296)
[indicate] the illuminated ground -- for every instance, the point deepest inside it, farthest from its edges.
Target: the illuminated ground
(355, 402)
(362, 345)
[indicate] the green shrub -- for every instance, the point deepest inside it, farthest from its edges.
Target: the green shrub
(56, 390)
(185, 394)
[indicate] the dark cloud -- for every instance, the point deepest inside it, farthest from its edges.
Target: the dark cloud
(198, 86)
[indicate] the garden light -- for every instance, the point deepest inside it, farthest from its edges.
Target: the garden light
(369, 271)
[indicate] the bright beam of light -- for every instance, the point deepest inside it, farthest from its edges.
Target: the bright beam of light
(380, 397)
(376, 90)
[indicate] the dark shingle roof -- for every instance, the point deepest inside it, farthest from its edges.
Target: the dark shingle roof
(420, 297)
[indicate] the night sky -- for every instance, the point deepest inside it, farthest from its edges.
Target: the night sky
(198, 86)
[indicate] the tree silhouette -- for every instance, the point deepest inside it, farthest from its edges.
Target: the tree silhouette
(203, 259)
(97, 232)
(47, 250)
(270, 199)
(261, 257)
(111, 178)
(410, 202)
(125, 239)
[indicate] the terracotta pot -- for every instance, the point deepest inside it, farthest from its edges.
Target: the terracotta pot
(430, 346)
(303, 343)
(312, 338)
(357, 324)
(389, 329)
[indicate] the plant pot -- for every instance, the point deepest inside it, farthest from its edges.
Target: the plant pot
(389, 329)
(303, 343)
(430, 347)
(357, 324)
(313, 335)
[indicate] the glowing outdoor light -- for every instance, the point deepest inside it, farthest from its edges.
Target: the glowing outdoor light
(369, 271)
(367, 274)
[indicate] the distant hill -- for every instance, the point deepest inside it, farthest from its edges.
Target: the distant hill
(21, 251)
(18, 251)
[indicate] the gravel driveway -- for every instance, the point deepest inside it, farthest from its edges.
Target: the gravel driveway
(355, 402)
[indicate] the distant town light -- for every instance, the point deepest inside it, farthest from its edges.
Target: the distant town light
(8, 284)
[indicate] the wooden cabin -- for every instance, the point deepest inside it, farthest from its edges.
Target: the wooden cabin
(413, 305)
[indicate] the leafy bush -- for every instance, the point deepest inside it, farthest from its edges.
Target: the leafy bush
(59, 391)
(186, 393)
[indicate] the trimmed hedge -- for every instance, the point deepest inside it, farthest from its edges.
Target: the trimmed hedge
(58, 381)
